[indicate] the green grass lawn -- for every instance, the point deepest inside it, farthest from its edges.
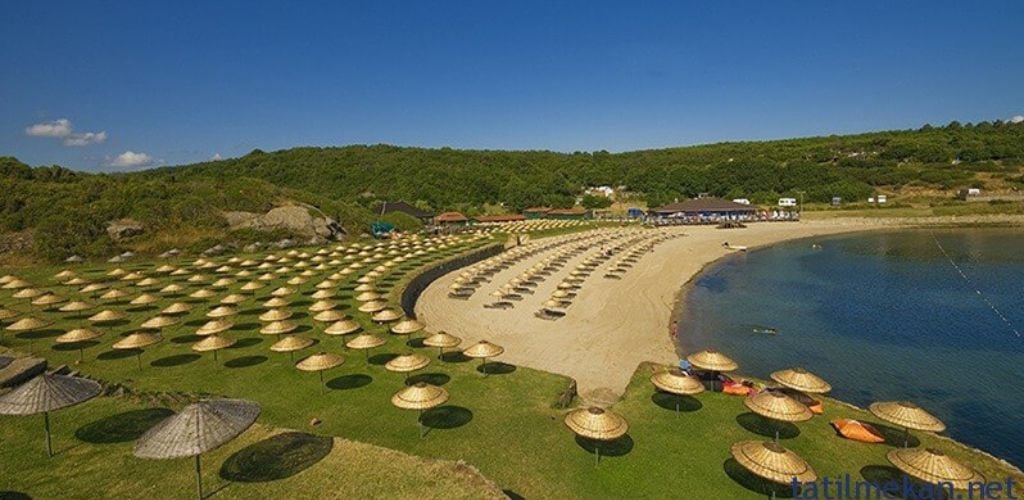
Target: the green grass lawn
(504, 422)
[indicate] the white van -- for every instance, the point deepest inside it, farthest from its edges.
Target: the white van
(787, 202)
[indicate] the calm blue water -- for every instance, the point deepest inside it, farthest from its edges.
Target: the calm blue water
(882, 316)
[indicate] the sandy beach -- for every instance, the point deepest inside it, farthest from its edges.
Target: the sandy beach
(613, 325)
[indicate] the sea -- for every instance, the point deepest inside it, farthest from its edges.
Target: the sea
(931, 316)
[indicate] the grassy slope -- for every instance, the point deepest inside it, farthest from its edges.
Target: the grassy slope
(503, 424)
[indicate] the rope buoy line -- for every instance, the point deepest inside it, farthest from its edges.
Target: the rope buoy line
(970, 283)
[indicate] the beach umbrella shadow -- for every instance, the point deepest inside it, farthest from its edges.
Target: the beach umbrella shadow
(277, 457)
(496, 368)
(429, 378)
(613, 448)
(676, 402)
(122, 427)
(446, 417)
(767, 427)
(352, 381)
(749, 481)
(175, 360)
(245, 361)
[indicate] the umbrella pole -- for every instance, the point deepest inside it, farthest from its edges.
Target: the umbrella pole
(906, 437)
(81, 354)
(215, 355)
(419, 422)
(199, 478)
(139, 358)
(46, 425)
(597, 455)
(321, 372)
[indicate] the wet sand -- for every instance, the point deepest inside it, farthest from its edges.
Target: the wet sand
(612, 325)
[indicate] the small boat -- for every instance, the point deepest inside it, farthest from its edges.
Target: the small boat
(768, 331)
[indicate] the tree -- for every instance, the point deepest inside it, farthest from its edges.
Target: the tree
(590, 201)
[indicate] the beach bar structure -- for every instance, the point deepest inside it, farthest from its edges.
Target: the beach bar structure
(705, 208)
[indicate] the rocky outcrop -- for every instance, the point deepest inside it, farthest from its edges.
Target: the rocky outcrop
(124, 228)
(297, 219)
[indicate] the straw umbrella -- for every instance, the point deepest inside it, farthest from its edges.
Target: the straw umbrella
(199, 428)
(114, 294)
(213, 343)
(342, 327)
(778, 406)
(407, 363)
(373, 306)
(907, 415)
(106, 317)
(801, 380)
(406, 327)
(674, 381)
(386, 316)
(290, 344)
(934, 467)
(79, 336)
(76, 306)
(137, 341)
(483, 350)
(597, 424)
(320, 362)
(214, 327)
(27, 324)
(278, 328)
(440, 340)
(365, 342)
(275, 315)
(331, 316)
(420, 396)
(276, 303)
(771, 461)
(159, 322)
(176, 309)
(144, 300)
(712, 361)
(46, 393)
(221, 312)
(321, 306)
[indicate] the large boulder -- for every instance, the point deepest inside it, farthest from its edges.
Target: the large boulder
(304, 221)
(124, 228)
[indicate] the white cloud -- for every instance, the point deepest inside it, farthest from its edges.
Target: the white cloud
(85, 139)
(63, 129)
(130, 159)
(216, 157)
(56, 128)
(1017, 119)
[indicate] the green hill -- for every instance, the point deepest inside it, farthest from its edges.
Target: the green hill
(67, 211)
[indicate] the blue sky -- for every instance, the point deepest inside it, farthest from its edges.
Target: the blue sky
(178, 82)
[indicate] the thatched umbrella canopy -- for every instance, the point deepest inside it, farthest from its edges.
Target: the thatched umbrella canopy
(386, 316)
(47, 393)
(159, 322)
(213, 343)
(275, 315)
(320, 362)
(252, 286)
(92, 288)
(406, 327)
(674, 381)
(907, 415)
(323, 294)
(276, 303)
(331, 316)
(365, 287)
(27, 324)
(290, 344)
(364, 342)
(173, 288)
(420, 396)
(221, 312)
(214, 327)
(137, 341)
(199, 428)
(16, 284)
(202, 294)
(144, 300)
(441, 340)
(368, 296)
(7, 278)
(597, 424)
(114, 294)
(282, 292)
(321, 306)
(278, 328)
(407, 363)
(770, 461)
(28, 293)
(483, 350)
(233, 299)
(801, 380)
(79, 336)
(712, 360)
(176, 309)
(934, 467)
(76, 306)
(342, 327)
(778, 406)
(6, 314)
(48, 300)
(106, 316)
(373, 306)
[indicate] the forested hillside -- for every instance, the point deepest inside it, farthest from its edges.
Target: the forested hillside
(848, 166)
(67, 211)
